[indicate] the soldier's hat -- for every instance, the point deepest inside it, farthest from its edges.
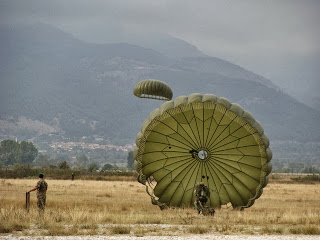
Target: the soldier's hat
(41, 175)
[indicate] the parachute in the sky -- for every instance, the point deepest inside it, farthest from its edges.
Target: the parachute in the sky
(154, 89)
(202, 138)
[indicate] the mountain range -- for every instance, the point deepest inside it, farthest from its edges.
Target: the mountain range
(53, 83)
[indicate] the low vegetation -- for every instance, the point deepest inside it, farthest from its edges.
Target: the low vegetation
(122, 207)
(25, 171)
(307, 179)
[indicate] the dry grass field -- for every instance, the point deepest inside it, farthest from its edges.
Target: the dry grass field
(123, 208)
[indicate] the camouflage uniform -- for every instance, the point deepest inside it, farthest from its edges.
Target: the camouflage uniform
(202, 193)
(42, 187)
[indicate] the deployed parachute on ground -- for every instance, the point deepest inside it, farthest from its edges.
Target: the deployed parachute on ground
(154, 89)
(202, 138)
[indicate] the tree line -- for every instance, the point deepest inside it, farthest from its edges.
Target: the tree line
(13, 152)
(25, 153)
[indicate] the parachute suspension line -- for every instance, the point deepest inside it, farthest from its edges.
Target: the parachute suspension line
(154, 97)
(154, 201)
(151, 89)
(151, 181)
(139, 110)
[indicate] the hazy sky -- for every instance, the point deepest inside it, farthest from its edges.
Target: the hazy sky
(278, 39)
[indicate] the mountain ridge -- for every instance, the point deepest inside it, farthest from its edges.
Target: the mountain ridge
(81, 89)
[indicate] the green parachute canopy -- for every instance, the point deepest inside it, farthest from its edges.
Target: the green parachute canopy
(153, 89)
(202, 138)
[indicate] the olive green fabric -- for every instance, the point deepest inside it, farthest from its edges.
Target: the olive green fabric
(202, 138)
(153, 89)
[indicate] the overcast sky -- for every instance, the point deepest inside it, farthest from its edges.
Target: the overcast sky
(278, 39)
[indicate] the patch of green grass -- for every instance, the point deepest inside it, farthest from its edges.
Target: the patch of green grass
(58, 230)
(295, 230)
(271, 230)
(4, 228)
(89, 226)
(198, 230)
(311, 230)
(140, 232)
(121, 229)
(9, 228)
(148, 221)
(308, 230)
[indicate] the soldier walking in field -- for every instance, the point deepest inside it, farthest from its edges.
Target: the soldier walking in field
(202, 193)
(41, 188)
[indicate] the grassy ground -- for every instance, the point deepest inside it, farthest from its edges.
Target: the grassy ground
(123, 207)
